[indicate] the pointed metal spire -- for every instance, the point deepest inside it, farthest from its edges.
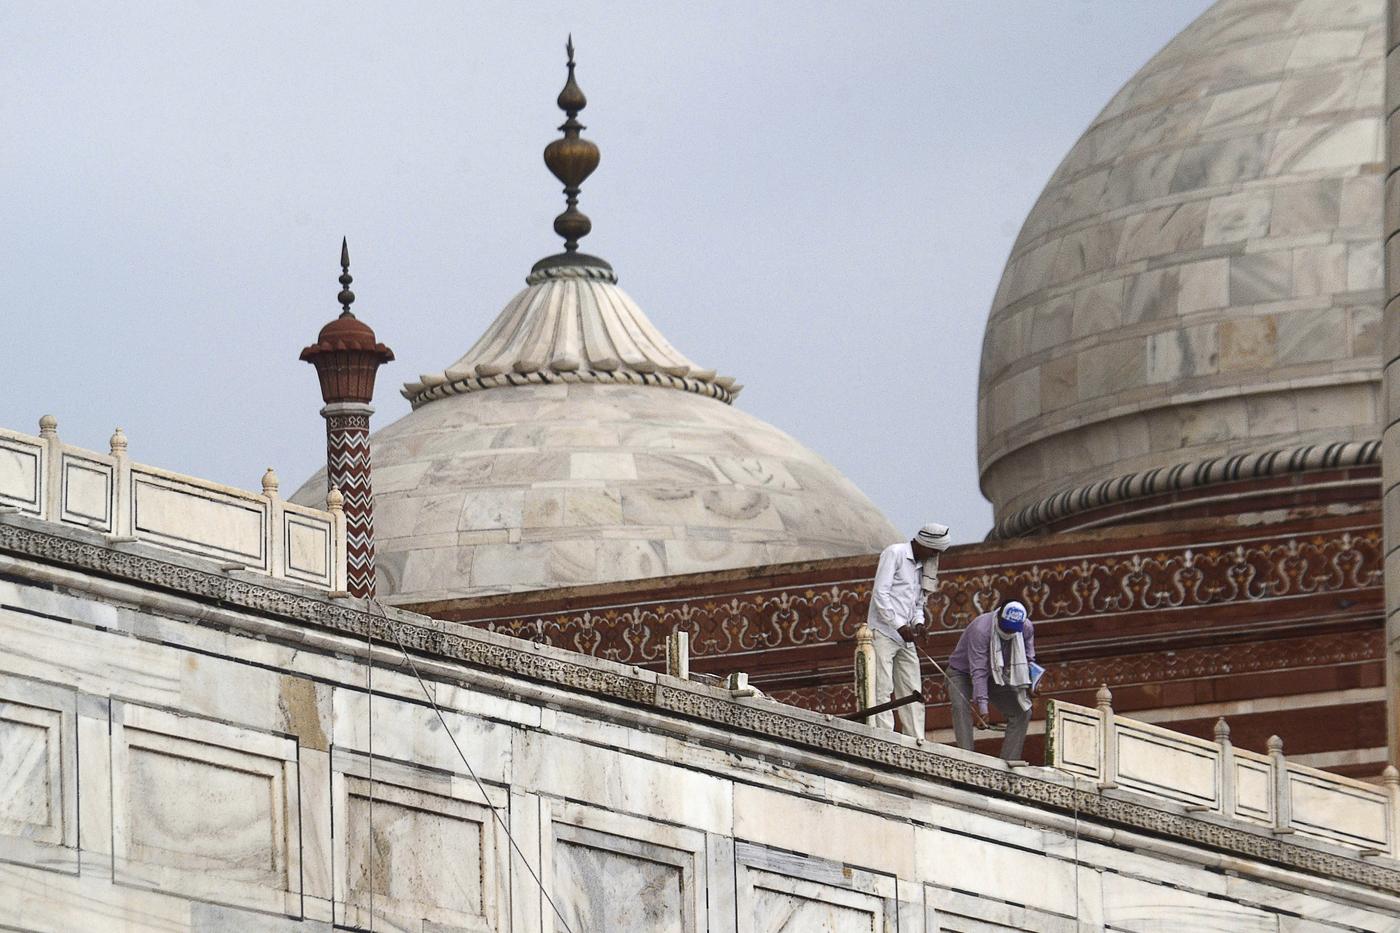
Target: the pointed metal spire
(572, 159)
(346, 296)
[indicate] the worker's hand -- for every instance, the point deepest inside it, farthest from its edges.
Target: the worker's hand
(906, 632)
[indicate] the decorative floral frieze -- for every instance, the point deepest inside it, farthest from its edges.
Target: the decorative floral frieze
(1100, 585)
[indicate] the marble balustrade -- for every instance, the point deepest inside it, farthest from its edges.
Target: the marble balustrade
(1118, 752)
(256, 532)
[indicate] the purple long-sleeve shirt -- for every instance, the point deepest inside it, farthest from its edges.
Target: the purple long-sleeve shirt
(972, 656)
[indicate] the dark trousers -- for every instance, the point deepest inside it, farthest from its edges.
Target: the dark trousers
(1006, 699)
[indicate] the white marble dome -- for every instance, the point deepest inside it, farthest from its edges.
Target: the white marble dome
(573, 445)
(1202, 276)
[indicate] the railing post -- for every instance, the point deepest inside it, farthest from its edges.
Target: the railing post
(865, 669)
(1227, 767)
(51, 508)
(276, 557)
(1108, 739)
(1390, 779)
(678, 654)
(1283, 799)
(122, 520)
(335, 504)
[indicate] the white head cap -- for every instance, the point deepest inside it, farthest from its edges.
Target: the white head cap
(933, 535)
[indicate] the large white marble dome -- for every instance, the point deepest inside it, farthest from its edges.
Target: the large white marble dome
(573, 444)
(1201, 278)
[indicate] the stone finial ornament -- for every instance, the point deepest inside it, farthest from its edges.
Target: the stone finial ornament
(571, 159)
(48, 426)
(335, 502)
(346, 354)
(270, 483)
(1103, 699)
(346, 296)
(117, 443)
(347, 357)
(1222, 730)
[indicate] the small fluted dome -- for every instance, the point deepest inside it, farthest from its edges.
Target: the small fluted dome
(1201, 278)
(573, 444)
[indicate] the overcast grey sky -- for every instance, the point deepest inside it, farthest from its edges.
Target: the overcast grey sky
(815, 198)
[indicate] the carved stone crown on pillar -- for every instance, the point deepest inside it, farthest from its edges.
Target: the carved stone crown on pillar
(346, 357)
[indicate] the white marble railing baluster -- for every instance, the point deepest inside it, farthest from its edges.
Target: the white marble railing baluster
(121, 484)
(276, 551)
(1390, 780)
(52, 506)
(1283, 796)
(335, 504)
(1108, 739)
(865, 669)
(1227, 767)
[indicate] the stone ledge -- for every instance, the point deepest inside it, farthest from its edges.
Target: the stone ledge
(76, 549)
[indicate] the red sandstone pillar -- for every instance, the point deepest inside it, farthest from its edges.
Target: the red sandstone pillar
(346, 358)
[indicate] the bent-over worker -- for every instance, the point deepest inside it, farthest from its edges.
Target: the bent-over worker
(896, 618)
(992, 661)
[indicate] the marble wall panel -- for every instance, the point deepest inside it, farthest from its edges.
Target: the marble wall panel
(1364, 268)
(199, 520)
(1319, 270)
(411, 731)
(1243, 216)
(412, 854)
(1098, 308)
(777, 892)
(1059, 382)
(623, 783)
(493, 507)
(1365, 331)
(1306, 207)
(1361, 203)
(38, 774)
(1163, 230)
(1153, 296)
(1221, 162)
(1112, 368)
(1131, 904)
(205, 809)
(1203, 285)
(1244, 106)
(1314, 146)
(1261, 277)
(1311, 336)
(1248, 343)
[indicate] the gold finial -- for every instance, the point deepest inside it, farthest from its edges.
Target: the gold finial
(572, 159)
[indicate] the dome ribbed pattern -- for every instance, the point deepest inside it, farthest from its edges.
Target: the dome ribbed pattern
(571, 324)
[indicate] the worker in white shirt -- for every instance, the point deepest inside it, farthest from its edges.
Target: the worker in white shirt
(907, 573)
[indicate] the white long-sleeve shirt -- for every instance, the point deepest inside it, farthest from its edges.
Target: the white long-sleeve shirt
(896, 598)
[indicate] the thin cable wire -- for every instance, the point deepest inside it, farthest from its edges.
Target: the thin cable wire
(470, 770)
(369, 714)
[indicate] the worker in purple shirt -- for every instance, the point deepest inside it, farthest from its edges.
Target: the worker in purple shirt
(993, 662)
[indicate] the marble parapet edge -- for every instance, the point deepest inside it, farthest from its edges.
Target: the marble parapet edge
(92, 553)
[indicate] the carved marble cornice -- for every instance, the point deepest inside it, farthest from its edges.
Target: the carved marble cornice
(1183, 476)
(90, 553)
